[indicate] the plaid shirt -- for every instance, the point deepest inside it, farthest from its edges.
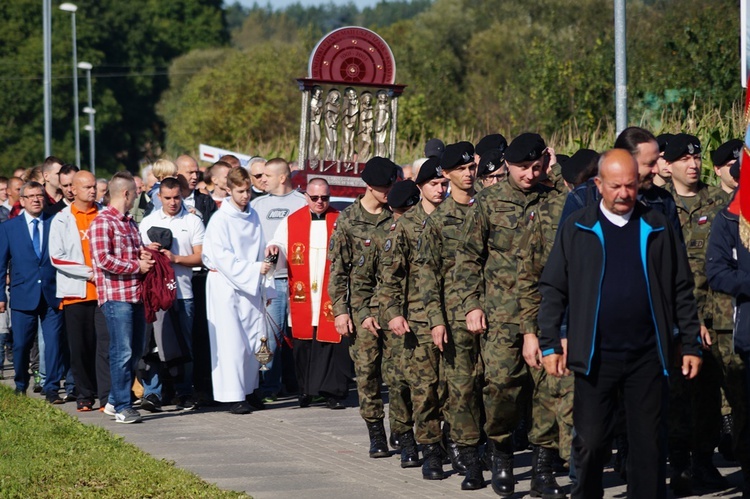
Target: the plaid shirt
(115, 250)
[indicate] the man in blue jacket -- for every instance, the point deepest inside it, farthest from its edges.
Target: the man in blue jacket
(23, 245)
(621, 269)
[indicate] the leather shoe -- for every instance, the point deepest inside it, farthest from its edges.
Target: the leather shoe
(55, 399)
(378, 440)
(241, 408)
(304, 400)
(409, 452)
(432, 465)
(255, 402)
(333, 403)
(503, 481)
(395, 441)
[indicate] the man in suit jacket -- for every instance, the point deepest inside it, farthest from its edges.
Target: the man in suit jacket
(23, 246)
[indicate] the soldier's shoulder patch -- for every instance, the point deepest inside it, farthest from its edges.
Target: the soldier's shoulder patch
(387, 246)
(393, 226)
(472, 201)
(361, 260)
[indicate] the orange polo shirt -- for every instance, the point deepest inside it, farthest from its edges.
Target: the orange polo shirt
(83, 221)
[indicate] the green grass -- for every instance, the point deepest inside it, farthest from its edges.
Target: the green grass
(45, 452)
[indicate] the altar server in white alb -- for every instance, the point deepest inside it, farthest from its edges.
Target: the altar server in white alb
(236, 293)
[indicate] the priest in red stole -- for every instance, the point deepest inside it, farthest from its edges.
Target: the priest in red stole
(321, 355)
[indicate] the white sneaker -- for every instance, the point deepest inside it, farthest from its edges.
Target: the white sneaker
(109, 410)
(127, 416)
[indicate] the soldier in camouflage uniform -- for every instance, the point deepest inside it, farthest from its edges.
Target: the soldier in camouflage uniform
(357, 231)
(552, 400)
(406, 317)
(437, 246)
(492, 148)
(486, 270)
(695, 406)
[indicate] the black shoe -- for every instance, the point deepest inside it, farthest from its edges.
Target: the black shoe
(621, 458)
(455, 457)
(705, 474)
(37, 387)
(503, 481)
(378, 440)
(151, 403)
(725, 444)
(395, 441)
(681, 483)
(409, 452)
(70, 398)
(474, 479)
(543, 483)
(255, 402)
(334, 403)
(54, 398)
(241, 408)
(186, 403)
(432, 465)
(304, 400)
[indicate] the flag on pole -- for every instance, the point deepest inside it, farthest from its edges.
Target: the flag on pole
(741, 203)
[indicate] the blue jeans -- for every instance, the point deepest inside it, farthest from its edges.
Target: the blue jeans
(278, 311)
(127, 326)
(151, 381)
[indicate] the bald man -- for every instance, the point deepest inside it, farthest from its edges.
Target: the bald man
(623, 312)
(88, 337)
(219, 172)
(195, 202)
(282, 200)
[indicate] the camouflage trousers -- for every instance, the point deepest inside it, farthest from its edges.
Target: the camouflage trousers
(462, 367)
(505, 377)
(733, 385)
(366, 350)
(694, 416)
(552, 412)
(421, 361)
(400, 413)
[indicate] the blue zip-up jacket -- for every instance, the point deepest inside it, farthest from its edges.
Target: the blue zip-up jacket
(573, 276)
(728, 271)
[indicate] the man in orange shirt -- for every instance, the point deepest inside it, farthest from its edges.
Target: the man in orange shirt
(88, 338)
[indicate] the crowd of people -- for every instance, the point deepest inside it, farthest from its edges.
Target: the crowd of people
(508, 296)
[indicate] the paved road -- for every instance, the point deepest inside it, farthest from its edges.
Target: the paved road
(285, 451)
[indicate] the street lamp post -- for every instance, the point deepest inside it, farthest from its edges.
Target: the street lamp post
(47, 42)
(86, 66)
(69, 7)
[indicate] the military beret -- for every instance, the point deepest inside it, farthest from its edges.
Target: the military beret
(457, 154)
(490, 162)
(734, 171)
(490, 142)
(434, 147)
(578, 163)
(727, 152)
(680, 145)
(403, 194)
(562, 158)
(380, 172)
(429, 170)
(525, 147)
(663, 140)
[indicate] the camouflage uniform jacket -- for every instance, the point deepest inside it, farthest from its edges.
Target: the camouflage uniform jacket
(534, 249)
(438, 246)
(398, 294)
(486, 262)
(720, 315)
(353, 242)
(696, 222)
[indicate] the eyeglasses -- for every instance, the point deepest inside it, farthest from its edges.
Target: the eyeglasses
(33, 196)
(258, 175)
(315, 199)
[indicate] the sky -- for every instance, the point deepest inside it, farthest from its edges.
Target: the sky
(280, 4)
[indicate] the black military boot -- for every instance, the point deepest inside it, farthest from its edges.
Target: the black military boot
(409, 452)
(474, 478)
(727, 431)
(503, 481)
(378, 440)
(432, 467)
(680, 480)
(705, 474)
(395, 441)
(452, 449)
(543, 483)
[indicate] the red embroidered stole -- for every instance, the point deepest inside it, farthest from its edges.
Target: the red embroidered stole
(298, 263)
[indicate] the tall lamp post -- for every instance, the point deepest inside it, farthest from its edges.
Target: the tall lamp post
(47, 84)
(86, 66)
(69, 7)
